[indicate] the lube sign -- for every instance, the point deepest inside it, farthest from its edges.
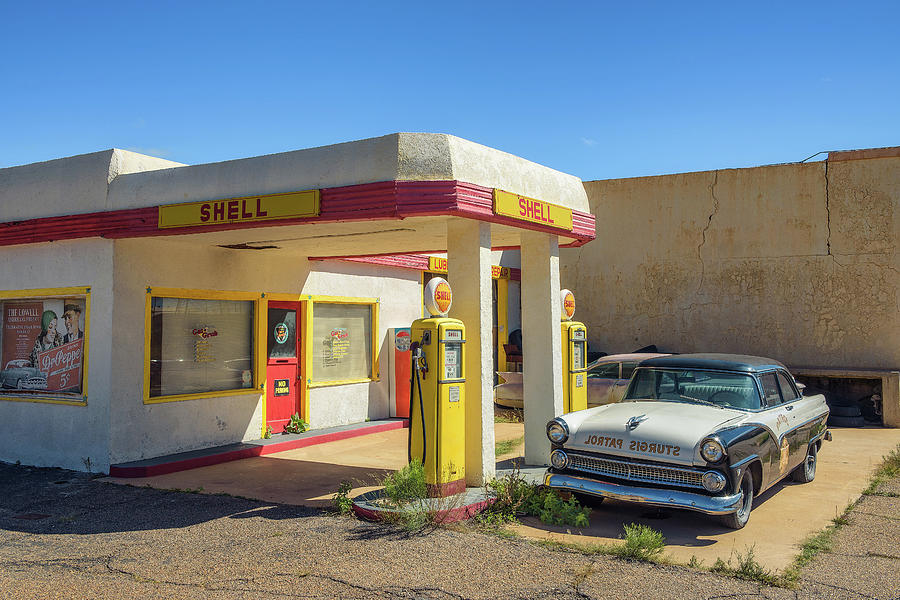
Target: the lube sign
(531, 210)
(240, 210)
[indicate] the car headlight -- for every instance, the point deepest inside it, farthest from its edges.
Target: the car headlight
(712, 451)
(713, 481)
(557, 431)
(559, 459)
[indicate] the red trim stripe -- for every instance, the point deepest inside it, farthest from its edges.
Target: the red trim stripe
(370, 201)
(164, 468)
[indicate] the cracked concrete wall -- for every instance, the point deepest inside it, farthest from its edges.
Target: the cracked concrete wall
(798, 262)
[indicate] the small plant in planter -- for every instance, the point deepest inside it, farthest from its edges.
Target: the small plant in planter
(296, 424)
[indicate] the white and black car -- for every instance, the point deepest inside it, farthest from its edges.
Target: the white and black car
(702, 432)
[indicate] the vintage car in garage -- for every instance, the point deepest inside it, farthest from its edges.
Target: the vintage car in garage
(702, 432)
(607, 378)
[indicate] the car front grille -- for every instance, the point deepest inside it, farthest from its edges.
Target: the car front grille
(634, 471)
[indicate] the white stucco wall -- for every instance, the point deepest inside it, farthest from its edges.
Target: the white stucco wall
(400, 294)
(139, 430)
(72, 437)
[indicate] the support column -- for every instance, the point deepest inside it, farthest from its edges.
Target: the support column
(541, 345)
(469, 273)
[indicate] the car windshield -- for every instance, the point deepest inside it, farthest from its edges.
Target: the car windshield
(727, 390)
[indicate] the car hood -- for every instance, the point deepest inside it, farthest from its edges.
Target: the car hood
(668, 431)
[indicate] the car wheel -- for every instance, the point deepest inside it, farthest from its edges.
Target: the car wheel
(737, 520)
(18, 384)
(806, 472)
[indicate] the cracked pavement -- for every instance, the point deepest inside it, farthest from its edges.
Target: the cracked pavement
(66, 535)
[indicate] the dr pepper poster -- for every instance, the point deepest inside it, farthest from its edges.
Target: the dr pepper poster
(42, 345)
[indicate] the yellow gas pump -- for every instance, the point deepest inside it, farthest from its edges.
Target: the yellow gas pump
(437, 393)
(574, 356)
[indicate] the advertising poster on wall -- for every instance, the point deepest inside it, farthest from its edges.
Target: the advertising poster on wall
(42, 345)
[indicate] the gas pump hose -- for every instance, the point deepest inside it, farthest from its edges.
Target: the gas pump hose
(421, 412)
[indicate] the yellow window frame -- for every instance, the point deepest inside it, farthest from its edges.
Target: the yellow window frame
(191, 294)
(310, 301)
(62, 292)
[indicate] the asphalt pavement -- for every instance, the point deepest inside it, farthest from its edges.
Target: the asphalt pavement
(67, 535)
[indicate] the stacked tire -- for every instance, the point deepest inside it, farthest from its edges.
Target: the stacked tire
(845, 415)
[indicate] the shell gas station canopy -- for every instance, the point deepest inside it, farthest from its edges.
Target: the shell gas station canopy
(377, 196)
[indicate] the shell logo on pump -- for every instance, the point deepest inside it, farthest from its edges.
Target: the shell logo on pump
(567, 304)
(438, 297)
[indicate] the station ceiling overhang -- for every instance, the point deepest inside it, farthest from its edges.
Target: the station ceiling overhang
(362, 220)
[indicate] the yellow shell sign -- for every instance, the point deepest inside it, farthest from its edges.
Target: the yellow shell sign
(240, 210)
(438, 297)
(567, 304)
(443, 296)
(532, 210)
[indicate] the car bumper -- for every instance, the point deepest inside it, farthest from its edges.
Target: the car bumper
(710, 505)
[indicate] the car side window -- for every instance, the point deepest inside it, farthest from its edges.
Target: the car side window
(605, 371)
(628, 369)
(788, 392)
(770, 389)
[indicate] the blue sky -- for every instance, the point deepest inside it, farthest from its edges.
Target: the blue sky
(596, 89)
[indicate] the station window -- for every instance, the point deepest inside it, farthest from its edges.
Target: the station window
(341, 344)
(199, 345)
(43, 345)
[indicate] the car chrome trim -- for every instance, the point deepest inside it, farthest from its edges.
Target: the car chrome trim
(630, 470)
(710, 505)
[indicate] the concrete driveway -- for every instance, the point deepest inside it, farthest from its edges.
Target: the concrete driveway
(782, 518)
(307, 476)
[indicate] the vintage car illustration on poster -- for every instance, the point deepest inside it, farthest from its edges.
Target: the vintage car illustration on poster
(607, 378)
(702, 432)
(19, 374)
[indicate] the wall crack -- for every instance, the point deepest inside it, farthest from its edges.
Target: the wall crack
(715, 210)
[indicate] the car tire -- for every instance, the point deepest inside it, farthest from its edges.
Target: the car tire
(845, 411)
(806, 472)
(18, 384)
(737, 520)
(846, 421)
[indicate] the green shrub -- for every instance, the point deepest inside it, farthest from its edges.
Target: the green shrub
(341, 499)
(406, 484)
(296, 424)
(642, 542)
(549, 507)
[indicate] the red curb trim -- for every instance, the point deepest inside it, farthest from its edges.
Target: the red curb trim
(228, 456)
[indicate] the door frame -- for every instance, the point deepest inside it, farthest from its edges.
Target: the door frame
(303, 326)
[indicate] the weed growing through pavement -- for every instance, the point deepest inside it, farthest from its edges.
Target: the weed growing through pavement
(890, 468)
(515, 496)
(405, 485)
(746, 568)
(296, 424)
(641, 543)
(509, 415)
(507, 446)
(341, 500)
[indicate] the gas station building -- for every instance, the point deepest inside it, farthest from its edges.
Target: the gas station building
(150, 307)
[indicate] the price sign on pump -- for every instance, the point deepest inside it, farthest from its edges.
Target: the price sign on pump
(438, 297)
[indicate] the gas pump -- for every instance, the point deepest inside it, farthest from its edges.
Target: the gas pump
(574, 356)
(437, 393)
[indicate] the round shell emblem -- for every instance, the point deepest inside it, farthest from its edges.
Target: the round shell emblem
(567, 304)
(438, 297)
(281, 333)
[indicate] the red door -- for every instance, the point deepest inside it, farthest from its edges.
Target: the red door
(282, 366)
